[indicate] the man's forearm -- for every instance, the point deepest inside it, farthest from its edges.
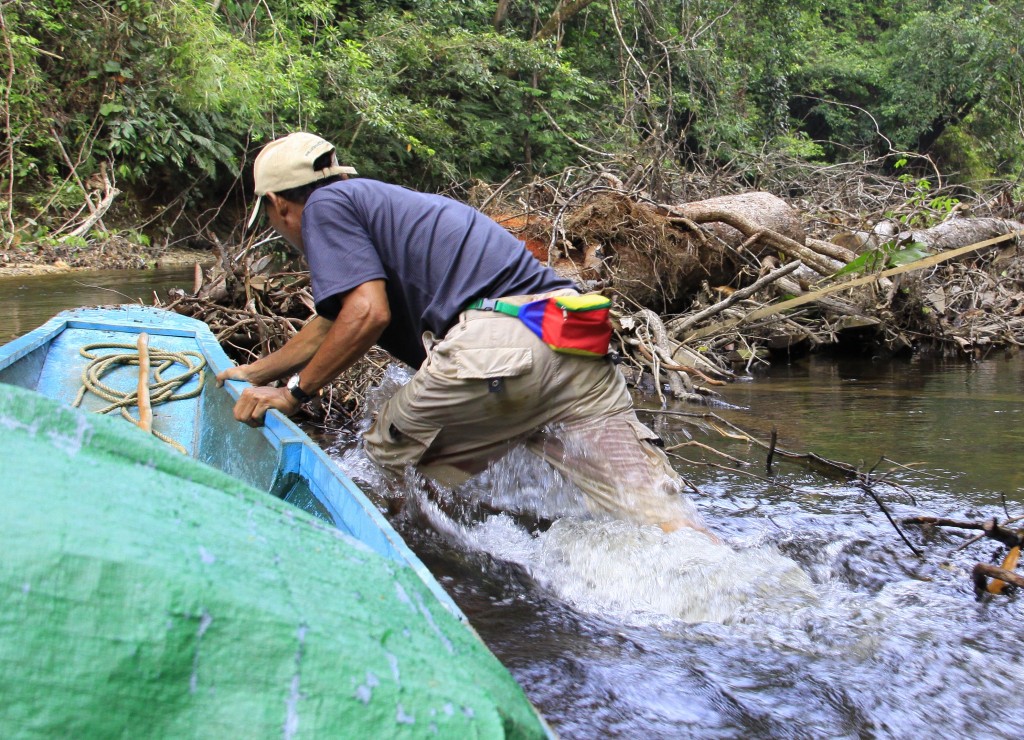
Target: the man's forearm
(293, 355)
(323, 349)
(364, 315)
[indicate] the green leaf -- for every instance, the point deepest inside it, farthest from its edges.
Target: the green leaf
(910, 253)
(860, 264)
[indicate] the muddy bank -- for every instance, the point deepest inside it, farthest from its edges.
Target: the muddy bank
(112, 254)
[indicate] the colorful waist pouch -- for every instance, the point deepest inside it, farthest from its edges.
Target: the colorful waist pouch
(574, 324)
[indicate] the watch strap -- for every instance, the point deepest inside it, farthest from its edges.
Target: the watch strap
(296, 390)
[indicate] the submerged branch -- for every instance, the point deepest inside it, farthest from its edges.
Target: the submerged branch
(984, 571)
(990, 528)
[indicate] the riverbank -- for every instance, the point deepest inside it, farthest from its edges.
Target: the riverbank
(114, 254)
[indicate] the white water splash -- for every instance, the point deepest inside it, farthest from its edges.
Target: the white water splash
(630, 572)
(522, 483)
(638, 574)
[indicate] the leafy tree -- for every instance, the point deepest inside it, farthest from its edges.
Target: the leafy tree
(160, 90)
(418, 96)
(899, 78)
(169, 98)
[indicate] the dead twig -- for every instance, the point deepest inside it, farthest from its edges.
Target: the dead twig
(989, 528)
(679, 326)
(865, 485)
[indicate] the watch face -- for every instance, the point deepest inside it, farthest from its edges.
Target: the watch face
(293, 386)
(296, 390)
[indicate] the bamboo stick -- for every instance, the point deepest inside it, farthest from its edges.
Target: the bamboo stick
(145, 407)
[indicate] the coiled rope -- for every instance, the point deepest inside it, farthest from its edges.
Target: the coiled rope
(161, 390)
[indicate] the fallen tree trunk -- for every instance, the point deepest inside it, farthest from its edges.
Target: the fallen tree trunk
(763, 209)
(758, 237)
(660, 256)
(959, 232)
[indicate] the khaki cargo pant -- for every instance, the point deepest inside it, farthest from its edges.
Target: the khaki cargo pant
(490, 383)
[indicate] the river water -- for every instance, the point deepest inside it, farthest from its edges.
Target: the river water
(814, 619)
(30, 300)
(817, 620)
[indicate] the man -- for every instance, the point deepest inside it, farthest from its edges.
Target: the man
(398, 268)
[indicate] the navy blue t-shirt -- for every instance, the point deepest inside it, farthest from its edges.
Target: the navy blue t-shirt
(436, 254)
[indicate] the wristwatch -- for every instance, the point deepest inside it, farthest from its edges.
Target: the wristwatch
(296, 390)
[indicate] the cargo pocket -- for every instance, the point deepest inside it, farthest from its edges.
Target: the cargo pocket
(487, 364)
(391, 446)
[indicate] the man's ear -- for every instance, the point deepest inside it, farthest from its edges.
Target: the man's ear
(276, 202)
(288, 211)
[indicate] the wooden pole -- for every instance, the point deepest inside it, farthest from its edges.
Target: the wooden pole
(145, 407)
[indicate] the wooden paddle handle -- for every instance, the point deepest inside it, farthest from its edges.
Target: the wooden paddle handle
(145, 407)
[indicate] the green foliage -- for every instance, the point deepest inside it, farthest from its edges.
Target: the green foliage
(171, 97)
(897, 77)
(890, 254)
(940, 73)
(23, 98)
(800, 146)
(161, 91)
(922, 209)
(438, 103)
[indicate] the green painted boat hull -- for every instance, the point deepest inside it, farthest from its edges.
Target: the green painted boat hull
(145, 594)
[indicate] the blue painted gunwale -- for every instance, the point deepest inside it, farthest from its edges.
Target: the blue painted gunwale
(276, 457)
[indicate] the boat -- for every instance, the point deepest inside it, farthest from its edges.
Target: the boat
(189, 575)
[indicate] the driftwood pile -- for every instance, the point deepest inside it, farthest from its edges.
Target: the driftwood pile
(713, 287)
(255, 303)
(703, 290)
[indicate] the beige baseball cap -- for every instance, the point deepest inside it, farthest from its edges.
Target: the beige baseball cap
(287, 163)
